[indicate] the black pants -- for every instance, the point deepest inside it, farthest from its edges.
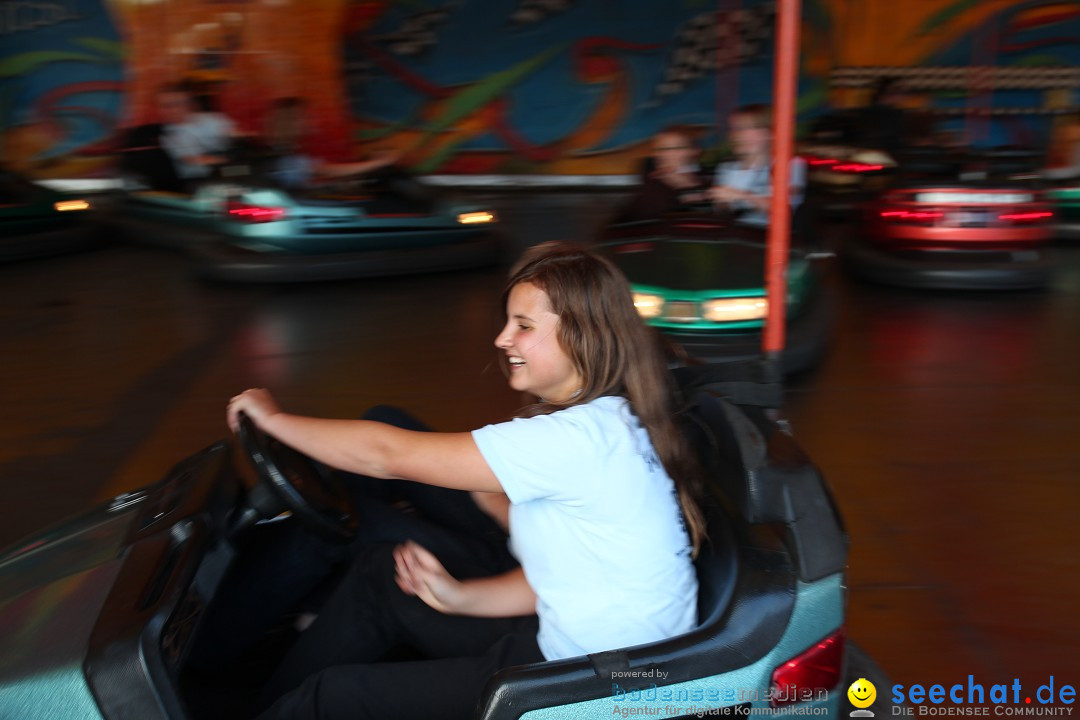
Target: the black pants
(333, 671)
(283, 568)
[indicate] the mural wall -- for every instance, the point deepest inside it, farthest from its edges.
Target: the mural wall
(509, 86)
(61, 86)
(565, 87)
(242, 55)
(1007, 92)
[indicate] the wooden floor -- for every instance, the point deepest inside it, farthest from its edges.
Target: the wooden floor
(948, 424)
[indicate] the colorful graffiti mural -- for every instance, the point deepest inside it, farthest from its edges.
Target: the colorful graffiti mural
(515, 86)
(985, 34)
(61, 86)
(549, 95)
(533, 87)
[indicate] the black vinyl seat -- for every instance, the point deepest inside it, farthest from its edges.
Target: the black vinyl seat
(144, 160)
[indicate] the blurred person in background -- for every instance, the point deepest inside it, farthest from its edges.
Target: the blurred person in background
(287, 132)
(885, 116)
(893, 125)
(743, 186)
(195, 140)
(671, 178)
(1065, 163)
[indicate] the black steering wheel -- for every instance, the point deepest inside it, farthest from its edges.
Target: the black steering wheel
(290, 480)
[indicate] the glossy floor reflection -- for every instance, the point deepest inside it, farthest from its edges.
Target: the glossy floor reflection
(945, 422)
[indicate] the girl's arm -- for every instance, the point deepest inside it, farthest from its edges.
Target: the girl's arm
(369, 448)
(763, 201)
(419, 573)
(334, 170)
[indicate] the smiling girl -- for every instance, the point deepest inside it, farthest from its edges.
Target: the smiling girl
(601, 513)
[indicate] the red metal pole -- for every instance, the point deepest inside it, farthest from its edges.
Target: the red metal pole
(785, 82)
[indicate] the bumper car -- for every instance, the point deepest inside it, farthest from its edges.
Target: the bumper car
(98, 614)
(36, 221)
(241, 227)
(846, 164)
(1065, 196)
(700, 280)
(969, 221)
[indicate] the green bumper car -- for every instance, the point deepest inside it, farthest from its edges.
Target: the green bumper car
(1066, 200)
(701, 282)
(36, 221)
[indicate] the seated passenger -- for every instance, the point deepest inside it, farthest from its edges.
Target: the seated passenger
(1065, 152)
(143, 162)
(671, 179)
(287, 130)
(744, 185)
(196, 141)
(602, 516)
(890, 122)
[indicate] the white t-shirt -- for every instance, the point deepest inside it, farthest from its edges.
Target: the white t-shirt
(200, 134)
(596, 525)
(758, 180)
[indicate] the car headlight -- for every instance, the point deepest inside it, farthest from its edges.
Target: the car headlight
(872, 157)
(735, 309)
(472, 218)
(70, 205)
(648, 306)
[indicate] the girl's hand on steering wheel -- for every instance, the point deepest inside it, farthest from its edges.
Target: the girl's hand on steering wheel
(257, 403)
(421, 574)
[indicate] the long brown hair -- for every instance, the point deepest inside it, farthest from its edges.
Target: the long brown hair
(758, 113)
(615, 352)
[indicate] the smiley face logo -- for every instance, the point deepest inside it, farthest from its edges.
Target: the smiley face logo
(862, 693)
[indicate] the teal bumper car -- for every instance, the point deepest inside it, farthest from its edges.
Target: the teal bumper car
(240, 226)
(98, 615)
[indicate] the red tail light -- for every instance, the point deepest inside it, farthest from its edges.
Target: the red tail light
(857, 167)
(808, 674)
(911, 215)
(838, 166)
(1026, 217)
(254, 213)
